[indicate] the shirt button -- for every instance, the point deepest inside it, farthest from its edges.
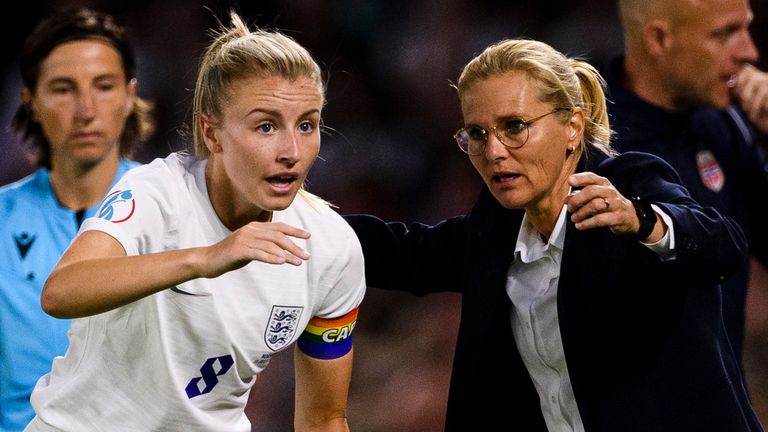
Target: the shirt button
(553, 399)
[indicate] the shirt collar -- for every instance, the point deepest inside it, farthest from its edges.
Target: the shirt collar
(530, 246)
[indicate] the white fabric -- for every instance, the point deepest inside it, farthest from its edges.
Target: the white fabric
(664, 248)
(532, 284)
(127, 369)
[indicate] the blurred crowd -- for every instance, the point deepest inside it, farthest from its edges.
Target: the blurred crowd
(387, 150)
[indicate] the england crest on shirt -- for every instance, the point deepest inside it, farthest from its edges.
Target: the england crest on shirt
(282, 325)
(711, 174)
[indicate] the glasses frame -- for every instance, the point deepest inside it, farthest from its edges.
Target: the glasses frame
(495, 130)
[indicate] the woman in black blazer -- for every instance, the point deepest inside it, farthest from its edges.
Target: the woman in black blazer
(589, 281)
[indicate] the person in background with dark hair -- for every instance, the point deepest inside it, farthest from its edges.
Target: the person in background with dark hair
(589, 281)
(80, 117)
(685, 90)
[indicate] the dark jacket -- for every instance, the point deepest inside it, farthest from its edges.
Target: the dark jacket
(643, 339)
(677, 138)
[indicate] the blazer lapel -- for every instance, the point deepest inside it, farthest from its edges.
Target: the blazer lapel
(492, 252)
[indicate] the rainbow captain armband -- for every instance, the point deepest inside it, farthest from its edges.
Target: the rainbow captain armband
(328, 338)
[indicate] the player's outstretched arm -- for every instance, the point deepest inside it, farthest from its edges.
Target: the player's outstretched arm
(94, 275)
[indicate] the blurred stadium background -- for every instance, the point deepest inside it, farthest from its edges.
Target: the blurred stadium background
(388, 150)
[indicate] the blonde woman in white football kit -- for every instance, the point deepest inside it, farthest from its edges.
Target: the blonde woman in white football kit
(199, 268)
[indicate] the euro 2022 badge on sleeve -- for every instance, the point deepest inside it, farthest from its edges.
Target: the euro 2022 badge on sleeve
(118, 206)
(711, 174)
(283, 321)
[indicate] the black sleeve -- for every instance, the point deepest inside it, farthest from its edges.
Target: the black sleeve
(709, 246)
(755, 197)
(415, 258)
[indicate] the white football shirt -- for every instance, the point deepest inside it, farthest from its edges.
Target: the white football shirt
(185, 358)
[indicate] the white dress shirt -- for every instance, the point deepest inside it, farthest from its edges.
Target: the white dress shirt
(532, 282)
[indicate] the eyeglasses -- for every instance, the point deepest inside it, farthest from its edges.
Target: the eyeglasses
(513, 133)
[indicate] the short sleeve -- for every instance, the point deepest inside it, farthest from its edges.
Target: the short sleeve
(349, 287)
(329, 333)
(137, 211)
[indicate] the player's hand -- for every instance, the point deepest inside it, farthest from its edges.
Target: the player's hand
(269, 242)
(751, 91)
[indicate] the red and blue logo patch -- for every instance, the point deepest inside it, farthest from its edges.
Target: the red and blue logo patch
(118, 206)
(711, 174)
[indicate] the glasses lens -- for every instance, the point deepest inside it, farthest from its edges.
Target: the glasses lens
(477, 138)
(514, 133)
(471, 140)
(462, 139)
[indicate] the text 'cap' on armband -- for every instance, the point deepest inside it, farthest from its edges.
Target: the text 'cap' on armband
(328, 338)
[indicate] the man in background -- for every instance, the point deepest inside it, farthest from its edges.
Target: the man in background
(686, 90)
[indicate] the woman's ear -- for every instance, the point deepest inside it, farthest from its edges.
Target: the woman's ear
(26, 100)
(575, 128)
(210, 135)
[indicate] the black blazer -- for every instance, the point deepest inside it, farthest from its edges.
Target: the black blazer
(643, 339)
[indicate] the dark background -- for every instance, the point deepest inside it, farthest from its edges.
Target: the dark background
(387, 150)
